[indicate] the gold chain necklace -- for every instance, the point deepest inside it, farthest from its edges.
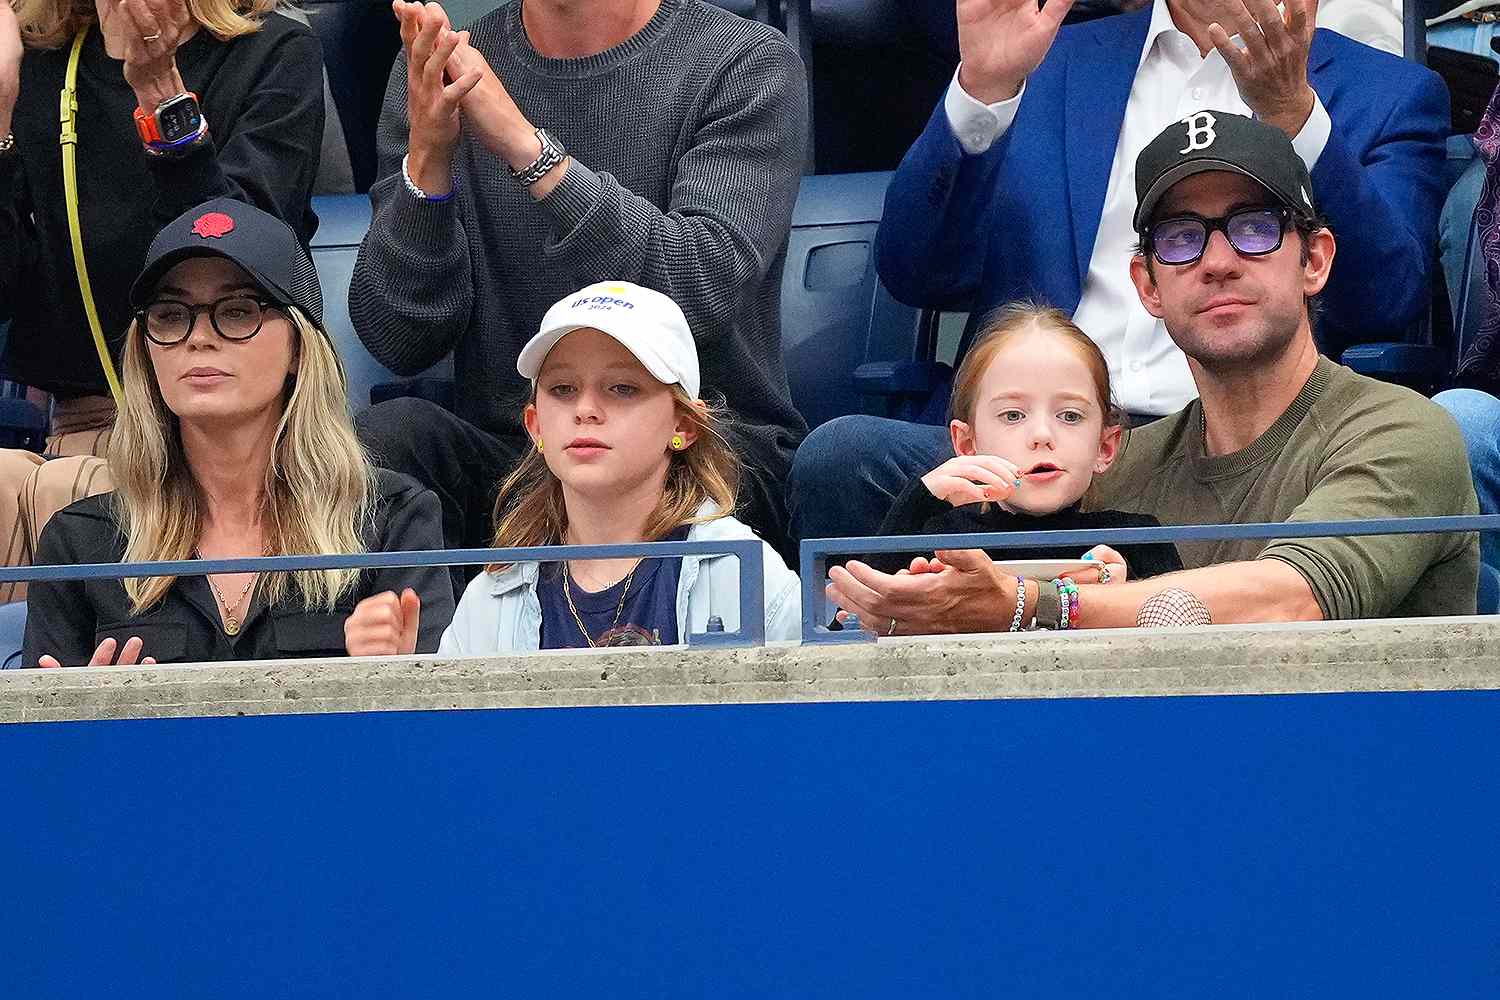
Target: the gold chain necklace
(231, 623)
(578, 619)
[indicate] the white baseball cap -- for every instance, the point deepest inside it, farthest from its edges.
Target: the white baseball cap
(648, 323)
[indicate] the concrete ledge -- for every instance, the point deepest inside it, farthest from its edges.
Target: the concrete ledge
(1396, 655)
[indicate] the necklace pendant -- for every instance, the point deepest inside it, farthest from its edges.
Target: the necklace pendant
(231, 625)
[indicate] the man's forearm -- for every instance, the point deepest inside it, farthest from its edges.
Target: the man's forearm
(1261, 590)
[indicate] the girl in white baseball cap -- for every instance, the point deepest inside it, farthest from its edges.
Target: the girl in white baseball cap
(625, 451)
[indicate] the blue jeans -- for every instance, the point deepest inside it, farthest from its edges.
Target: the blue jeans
(848, 472)
(1478, 416)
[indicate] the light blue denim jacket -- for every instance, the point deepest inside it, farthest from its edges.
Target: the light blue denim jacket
(500, 612)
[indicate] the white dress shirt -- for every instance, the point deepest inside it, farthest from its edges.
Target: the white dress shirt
(1147, 372)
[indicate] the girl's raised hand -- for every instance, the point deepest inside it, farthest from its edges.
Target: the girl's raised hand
(969, 479)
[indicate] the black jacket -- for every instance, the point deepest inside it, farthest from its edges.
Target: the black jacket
(263, 97)
(68, 620)
(917, 512)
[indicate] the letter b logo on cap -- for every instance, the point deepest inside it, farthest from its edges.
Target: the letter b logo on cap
(1200, 132)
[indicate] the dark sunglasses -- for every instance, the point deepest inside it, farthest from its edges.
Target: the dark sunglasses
(236, 317)
(1253, 232)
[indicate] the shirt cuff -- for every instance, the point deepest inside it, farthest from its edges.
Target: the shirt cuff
(1310, 141)
(976, 126)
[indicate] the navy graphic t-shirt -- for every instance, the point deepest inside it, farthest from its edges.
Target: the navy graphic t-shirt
(649, 615)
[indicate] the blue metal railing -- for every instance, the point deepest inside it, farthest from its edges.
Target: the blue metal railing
(749, 554)
(814, 553)
(747, 551)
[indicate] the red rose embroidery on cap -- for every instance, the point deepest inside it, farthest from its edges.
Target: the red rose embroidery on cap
(213, 225)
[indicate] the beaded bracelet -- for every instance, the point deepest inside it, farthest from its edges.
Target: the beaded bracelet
(1067, 592)
(1015, 623)
(418, 193)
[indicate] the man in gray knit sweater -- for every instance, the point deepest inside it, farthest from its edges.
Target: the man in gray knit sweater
(674, 139)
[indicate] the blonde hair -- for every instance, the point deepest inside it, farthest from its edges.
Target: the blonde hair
(530, 508)
(1004, 325)
(319, 483)
(50, 24)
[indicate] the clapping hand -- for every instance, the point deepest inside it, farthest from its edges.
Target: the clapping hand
(1001, 42)
(959, 590)
(150, 32)
(104, 656)
(433, 92)
(492, 114)
(1270, 69)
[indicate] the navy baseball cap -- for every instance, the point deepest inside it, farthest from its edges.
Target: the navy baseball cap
(262, 244)
(1218, 140)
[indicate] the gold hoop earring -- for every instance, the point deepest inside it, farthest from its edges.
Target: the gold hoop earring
(677, 443)
(539, 445)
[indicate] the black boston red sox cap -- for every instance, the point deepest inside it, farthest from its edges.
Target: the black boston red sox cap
(1218, 140)
(259, 242)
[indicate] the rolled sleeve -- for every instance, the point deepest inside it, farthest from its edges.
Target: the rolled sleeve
(1407, 461)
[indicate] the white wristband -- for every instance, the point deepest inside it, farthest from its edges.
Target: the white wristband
(417, 192)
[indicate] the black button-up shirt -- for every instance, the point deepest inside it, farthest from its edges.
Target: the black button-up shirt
(68, 620)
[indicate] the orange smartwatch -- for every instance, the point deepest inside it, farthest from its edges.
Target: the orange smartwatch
(177, 121)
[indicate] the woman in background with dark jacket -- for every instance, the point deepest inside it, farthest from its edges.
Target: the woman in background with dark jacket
(255, 80)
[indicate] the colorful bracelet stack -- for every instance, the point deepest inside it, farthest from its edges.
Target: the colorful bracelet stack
(1067, 592)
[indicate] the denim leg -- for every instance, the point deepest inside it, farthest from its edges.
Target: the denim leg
(1478, 416)
(848, 472)
(1453, 229)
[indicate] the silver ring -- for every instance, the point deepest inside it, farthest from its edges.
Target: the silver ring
(891, 628)
(152, 38)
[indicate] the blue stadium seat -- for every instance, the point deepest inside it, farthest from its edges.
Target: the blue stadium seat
(12, 634)
(836, 316)
(343, 220)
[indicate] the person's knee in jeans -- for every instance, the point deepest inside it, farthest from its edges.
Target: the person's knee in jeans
(392, 433)
(848, 471)
(1478, 417)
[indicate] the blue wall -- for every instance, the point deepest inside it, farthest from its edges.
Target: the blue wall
(1323, 846)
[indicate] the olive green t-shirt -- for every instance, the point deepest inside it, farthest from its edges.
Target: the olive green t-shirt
(1348, 448)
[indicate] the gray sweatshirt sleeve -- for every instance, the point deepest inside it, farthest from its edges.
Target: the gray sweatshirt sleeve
(731, 201)
(412, 289)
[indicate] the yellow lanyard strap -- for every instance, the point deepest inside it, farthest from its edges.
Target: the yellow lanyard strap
(68, 115)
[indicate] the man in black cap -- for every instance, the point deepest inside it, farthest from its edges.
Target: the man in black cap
(1232, 254)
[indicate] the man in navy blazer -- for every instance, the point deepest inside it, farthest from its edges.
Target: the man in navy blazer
(1021, 187)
